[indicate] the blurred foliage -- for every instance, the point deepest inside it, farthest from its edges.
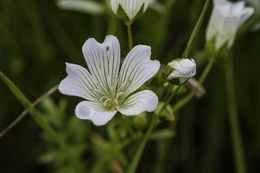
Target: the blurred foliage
(72, 135)
(37, 38)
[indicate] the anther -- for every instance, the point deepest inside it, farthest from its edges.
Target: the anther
(107, 100)
(103, 99)
(116, 102)
(110, 104)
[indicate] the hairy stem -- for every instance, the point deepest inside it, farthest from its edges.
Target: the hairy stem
(233, 115)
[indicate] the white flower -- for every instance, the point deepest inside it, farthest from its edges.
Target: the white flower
(87, 6)
(226, 19)
(182, 69)
(107, 89)
(255, 4)
(131, 7)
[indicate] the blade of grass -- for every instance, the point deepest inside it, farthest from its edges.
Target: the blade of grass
(196, 30)
(233, 116)
(40, 120)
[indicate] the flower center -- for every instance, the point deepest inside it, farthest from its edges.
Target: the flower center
(112, 103)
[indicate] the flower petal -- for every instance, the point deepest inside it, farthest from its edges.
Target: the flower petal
(131, 7)
(227, 17)
(79, 83)
(139, 102)
(95, 112)
(91, 7)
(136, 69)
(103, 61)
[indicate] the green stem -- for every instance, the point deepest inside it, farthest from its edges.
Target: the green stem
(130, 35)
(134, 163)
(233, 115)
(196, 29)
(206, 71)
(182, 102)
(186, 99)
(138, 154)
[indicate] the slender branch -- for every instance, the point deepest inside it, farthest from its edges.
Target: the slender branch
(233, 115)
(22, 115)
(130, 35)
(206, 71)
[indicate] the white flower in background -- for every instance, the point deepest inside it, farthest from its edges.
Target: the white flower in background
(182, 69)
(106, 88)
(256, 5)
(87, 6)
(226, 19)
(130, 7)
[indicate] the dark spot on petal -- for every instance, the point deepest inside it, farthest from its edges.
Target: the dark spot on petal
(107, 48)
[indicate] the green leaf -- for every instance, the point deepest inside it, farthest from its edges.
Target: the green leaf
(162, 134)
(40, 120)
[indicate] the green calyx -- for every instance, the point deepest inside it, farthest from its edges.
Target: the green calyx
(216, 53)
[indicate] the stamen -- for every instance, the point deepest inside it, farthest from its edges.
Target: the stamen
(103, 99)
(107, 102)
(110, 104)
(116, 102)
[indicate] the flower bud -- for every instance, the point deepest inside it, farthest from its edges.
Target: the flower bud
(182, 69)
